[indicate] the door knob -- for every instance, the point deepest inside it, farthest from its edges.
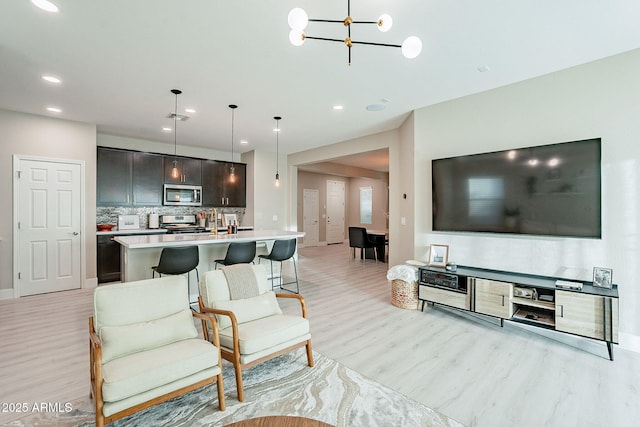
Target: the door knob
(75, 233)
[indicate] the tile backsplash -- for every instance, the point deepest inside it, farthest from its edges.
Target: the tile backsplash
(109, 215)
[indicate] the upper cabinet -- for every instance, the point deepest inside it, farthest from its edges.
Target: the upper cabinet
(133, 178)
(113, 179)
(147, 175)
(217, 188)
(189, 170)
(127, 178)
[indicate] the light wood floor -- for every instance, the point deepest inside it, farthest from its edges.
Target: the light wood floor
(464, 366)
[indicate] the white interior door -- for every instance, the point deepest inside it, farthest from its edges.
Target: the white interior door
(335, 212)
(48, 227)
(311, 214)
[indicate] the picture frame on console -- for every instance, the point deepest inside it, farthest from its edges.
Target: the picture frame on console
(438, 255)
(602, 277)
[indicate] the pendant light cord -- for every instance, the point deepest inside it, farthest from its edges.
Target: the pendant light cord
(175, 131)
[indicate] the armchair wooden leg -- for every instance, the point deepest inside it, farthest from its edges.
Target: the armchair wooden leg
(309, 354)
(221, 401)
(239, 383)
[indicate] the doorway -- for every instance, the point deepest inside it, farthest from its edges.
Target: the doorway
(310, 216)
(48, 220)
(335, 211)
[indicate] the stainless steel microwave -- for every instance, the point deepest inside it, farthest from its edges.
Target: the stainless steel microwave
(182, 195)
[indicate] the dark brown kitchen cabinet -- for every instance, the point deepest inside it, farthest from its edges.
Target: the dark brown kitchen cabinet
(128, 178)
(113, 179)
(218, 190)
(147, 172)
(108, 259)
(189, 170)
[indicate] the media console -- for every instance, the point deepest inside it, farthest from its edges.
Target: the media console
(541, 301)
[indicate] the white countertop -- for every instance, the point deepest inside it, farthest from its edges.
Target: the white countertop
(163, 240)
(134, 231)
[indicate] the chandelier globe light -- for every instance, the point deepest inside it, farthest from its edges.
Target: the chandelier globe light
(298, 21)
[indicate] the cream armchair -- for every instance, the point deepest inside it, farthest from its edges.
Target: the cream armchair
(251, 325)
(145, 349)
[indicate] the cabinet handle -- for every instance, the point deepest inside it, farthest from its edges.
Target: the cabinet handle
(503, 300)
(562, 311)
(227, 200)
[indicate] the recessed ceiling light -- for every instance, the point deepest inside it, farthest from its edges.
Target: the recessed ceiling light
(484, 68)
(244, 141)
(45, 5)
(51, 79)
(54, 109)
(190, 110)
(166, 129)
(338, 107)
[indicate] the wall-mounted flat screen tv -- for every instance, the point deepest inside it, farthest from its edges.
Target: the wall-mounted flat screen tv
(551, 190)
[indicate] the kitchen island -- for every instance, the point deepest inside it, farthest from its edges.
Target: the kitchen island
(141, 252)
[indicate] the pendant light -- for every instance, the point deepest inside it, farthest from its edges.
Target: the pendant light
(175, 173)
(277, 130)
(232, 172)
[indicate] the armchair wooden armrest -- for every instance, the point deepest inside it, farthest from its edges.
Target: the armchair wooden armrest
(214, 327)
(299, 298)
(95, 366)
(232, 317)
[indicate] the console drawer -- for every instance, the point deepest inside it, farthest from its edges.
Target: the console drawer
(443, 296)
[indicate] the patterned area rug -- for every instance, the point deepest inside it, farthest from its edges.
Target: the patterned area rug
(328, 392)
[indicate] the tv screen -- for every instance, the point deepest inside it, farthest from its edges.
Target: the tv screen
(551, 190)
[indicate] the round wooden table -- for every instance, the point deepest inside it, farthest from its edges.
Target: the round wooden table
(279, 421)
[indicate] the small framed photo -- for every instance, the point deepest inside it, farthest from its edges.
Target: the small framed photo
(229, 219)
(438, 255)
(602, 277)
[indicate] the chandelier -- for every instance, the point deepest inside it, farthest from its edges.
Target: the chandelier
(298, 21)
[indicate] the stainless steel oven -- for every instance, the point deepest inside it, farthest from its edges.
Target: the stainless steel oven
(182, 195)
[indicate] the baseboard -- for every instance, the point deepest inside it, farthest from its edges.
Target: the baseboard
(90, 283)
(6, 294)
(629, 342)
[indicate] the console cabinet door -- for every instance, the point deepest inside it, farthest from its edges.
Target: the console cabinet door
(591, 316)
(493, 298)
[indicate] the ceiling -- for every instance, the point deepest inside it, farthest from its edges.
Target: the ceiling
(119, 60)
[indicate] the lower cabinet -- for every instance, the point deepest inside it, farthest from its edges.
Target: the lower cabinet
(492, 297)
(590, 316)
(108, 262)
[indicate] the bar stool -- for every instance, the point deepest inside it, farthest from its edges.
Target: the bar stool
(238, 253)
(283, 250)
(178, 260)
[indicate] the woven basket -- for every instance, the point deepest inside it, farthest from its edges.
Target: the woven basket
(404, 295)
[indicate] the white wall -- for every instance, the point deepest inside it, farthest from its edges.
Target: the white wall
(30, 135)
(600, 99)
(265, 201)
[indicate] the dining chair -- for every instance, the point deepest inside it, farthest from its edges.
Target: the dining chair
(358, 238)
